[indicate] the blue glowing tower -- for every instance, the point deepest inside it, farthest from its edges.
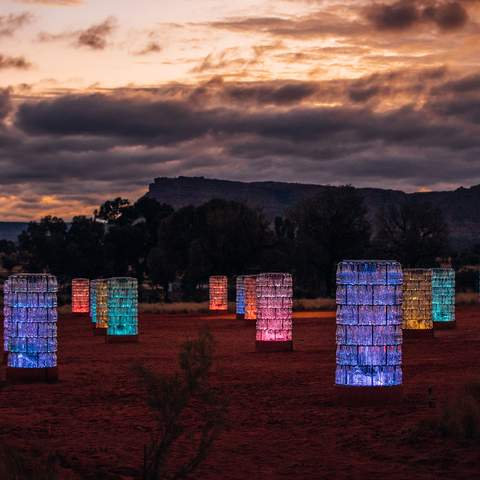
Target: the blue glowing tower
(240, 297)
(369, 323)
(31, 307)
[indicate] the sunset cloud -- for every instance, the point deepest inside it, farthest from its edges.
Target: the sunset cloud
(9, 24)
(19, 63)
(52, 2)
(94, 37)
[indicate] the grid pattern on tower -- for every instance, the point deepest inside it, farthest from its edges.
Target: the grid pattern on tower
(101, 304)
(274, 293)
(80, 295)
(443, 295)
(30, 303)
(417, 299)
(93, 301)
(218, 292)
(250, 297)
(369, 323)
(240, 295)
(122, 306)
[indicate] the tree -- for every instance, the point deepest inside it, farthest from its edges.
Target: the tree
(329, 227)
(43, 245)
(413, 233)
(85, 248)
(112, 210)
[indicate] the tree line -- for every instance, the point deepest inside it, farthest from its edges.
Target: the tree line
(162, 246)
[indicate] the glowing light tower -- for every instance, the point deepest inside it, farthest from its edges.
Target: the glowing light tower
(80, 295)
(250, 283)
(7, 318)
(417, 303)
(274, 312)
(369, 328)
(218, 293)
(443, 298)
(122, 310)
(240, 297)
(31, 306)
(101, 307)
(93, 302)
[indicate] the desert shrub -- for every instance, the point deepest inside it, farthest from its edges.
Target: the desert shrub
(16, 465)
(189, 412)
(460, 418)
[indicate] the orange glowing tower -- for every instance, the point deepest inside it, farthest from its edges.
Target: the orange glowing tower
(218, 293)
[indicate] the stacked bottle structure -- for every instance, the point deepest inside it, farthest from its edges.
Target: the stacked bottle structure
(93, 302)
(274, 312)
(6, 318)
(80, 295)
(369, 323)
(443, 297)
(30, 306)
(240, 296)
(417, 302)
(122, 310)
(218, 293)
(101, 307)
(250, 298)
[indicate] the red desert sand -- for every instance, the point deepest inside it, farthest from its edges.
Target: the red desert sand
(283, 419)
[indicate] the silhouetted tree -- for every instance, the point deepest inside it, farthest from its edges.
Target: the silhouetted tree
(85, 248)
(413, 233)
(112, 210)
(43, 245)
(329, 227)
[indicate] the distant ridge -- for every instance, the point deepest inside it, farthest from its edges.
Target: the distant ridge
(461, 207)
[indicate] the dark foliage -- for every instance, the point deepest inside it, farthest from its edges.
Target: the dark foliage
(172, 399)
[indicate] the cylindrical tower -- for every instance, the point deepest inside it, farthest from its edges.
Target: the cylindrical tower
(122, 310)
(93, 302)
(101, 307)
(218, 293)
(417, 303)
(443, 298)
(250, 283)
(80, 295)
(240, 297)
(274, 312)
(369, 324)
(7, 318)
(31, 306)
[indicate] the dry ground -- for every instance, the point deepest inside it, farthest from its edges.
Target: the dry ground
(283, 421)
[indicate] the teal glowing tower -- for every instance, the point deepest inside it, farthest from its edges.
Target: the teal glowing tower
(93, 301)
(122, 310)
(443, 298)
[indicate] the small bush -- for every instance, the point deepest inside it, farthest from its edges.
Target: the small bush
(460, 418)
(15, 465)
(189, 412)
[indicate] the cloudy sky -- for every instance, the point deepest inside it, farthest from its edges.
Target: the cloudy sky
(98, 97)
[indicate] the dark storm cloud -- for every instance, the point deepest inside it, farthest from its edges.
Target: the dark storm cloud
(119, 141)
(404, 14)
(5, 103)
(9, 24)
(18, 63)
